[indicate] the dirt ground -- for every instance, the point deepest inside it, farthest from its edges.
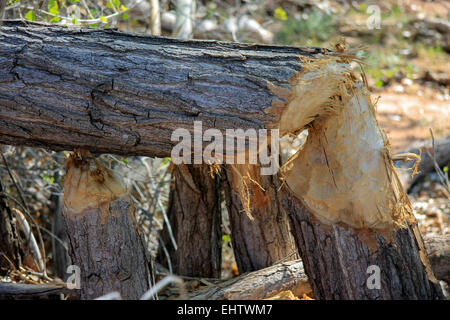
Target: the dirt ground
(408, 117)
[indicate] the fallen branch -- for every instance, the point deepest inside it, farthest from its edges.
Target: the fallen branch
(438, 249)
(21, 291)
(260, 284)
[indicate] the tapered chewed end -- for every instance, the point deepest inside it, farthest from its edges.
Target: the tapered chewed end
(88, 184)
(344, 172)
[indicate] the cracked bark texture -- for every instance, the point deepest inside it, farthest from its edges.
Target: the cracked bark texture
(336, 259)
(9, 243)
(195, 218)
(110, 254)
(265, 239)
(110, 92)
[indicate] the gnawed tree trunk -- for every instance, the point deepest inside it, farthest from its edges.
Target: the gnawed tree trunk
(10, 251)
(260, 284)
(104, 238)
(354, 218)
(195, 219)
(260, 231)
(111, 92)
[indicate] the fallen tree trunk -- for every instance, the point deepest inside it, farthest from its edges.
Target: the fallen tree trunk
(195, 219)
(260, 231)
(111, 92)
(260, 284)
(426, 165)
(22, 291)
(438, 249)
(105, 244)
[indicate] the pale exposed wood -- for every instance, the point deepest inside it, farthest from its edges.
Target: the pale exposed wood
(260, 284)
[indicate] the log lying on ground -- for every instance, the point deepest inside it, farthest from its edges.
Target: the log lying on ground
(22, 291)
(260, 230)
(111, 92)
(438, 249)
(195, 218)
(104, 240)
(260, 284)
(426, 165)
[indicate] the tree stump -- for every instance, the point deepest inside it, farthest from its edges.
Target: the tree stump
(105, 243)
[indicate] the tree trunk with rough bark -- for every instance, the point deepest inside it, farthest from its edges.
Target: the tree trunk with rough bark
(111, 92)
(195, 219)
(10, 251)
(260, 231)
(105, 243)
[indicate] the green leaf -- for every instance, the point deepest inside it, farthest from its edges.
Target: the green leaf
(53, 7)
(116, 3)
(379, 83)
(125, 16)
(94, 25)
(226, 238)
(109, 5)
(30, 16)
(103, 19)
(166, 160)
(48, 179)
(74, 21)
(124, 160)
(445, 169)
(280, 14)
(123, 8)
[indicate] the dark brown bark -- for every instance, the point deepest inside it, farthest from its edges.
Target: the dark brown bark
(195, 219)
(261, 284)
(61, 259)
(265, 240)
(110, 254)
(9, 237)
(112, 92)
(336, 259)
